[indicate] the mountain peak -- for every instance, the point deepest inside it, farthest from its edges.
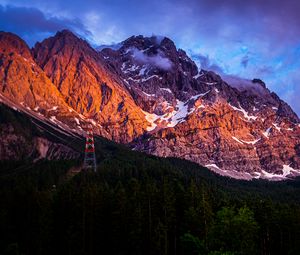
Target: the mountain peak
(63, 38)
(143, 42)
(14, 43)
(68, 37)
(66, 33)
(260, 82)
(62, 43)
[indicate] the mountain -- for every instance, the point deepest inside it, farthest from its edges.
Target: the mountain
(22, 79)
(150, 95)
(89, 86)
(247, 132)
(25, 86)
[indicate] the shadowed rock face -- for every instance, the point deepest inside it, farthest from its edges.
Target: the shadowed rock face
(24, 138)
(150, 94)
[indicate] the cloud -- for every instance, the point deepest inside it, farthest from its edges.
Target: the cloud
(158, 60)
(204, 62)
(245, 61)
(289, 89)
(242, 84)
(158, 38)
(245, 85)
(32, 24)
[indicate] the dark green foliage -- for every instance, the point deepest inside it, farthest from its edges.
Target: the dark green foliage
(235, 231)
(192, 245)
(140, 204)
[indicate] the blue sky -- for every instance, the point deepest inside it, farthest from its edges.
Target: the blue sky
(249, 39)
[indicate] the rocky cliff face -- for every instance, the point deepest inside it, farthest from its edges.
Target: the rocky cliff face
(22, 80)
(24, 85)
(24, 138)
(197, 116)
(89, 86)
(150, 94)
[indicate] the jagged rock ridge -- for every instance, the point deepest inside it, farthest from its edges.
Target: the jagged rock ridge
(150, 94)
(197, 116)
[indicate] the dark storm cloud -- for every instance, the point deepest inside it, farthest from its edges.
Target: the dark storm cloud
(33, 25)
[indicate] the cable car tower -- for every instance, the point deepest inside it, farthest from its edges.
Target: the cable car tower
(89, 162)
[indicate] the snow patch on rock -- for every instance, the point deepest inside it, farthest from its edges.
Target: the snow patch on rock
(54, 119)
(267, 132)
(151, 118)
(198, 75)
(236, 139)
(199, 95)
(247, 142)
(166, 89)
(245, 113)
(213, 165)
(77, 121)
(149, 95)
(277, 127)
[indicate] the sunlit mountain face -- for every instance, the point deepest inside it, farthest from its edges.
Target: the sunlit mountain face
(150, 95)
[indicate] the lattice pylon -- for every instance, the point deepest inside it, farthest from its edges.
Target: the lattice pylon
(89, 154)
